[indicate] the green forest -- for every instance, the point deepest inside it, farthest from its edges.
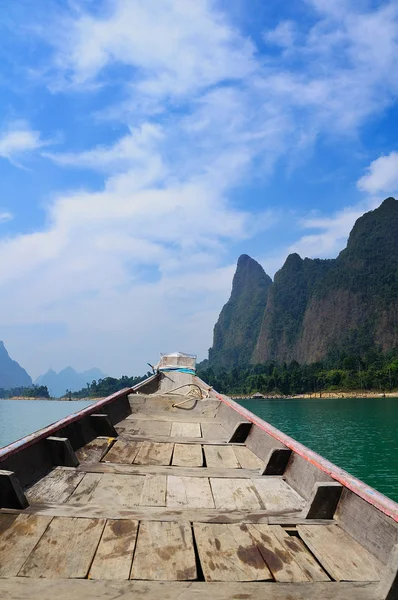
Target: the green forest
(35, 391)
(106, 387)
(374, 372)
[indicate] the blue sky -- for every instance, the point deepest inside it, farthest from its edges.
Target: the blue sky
(145, 145)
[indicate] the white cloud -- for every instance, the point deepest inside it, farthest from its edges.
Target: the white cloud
(381, 176)
(283, 35)
(17, 140)
(5, 216)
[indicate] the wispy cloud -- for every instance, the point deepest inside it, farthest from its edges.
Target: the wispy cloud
(381, 176)
(5, 216)
(18, 140)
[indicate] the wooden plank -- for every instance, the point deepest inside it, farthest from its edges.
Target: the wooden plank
(227, 553)
(340, 555)
(213, 431)
(187, 455)
(301, 554)
(278, 495)
(65, 550)
(179, 429)
(170, 470)
(156, 513)
(277, 555)
(154, 491)
(192, 492)
(118, 490)
(57, 486)
(389, 578)
(136, 416)
(246, 458)
(123, 452)
(114, 556)
(145, 428)
(19, 588)
(164, 552)
(237, 494)
(126, 436)
(94, 450)
(153, 453)
(85, 490)
(221, 456)
(18, 540)
(6, 521)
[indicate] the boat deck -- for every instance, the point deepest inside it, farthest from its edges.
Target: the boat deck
(173, 507)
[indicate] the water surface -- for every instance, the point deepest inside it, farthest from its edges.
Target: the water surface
(19, 418)
(359, 435)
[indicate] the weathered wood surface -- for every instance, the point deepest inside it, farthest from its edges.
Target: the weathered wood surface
(108, 489)
(370, 527)
(188, 492)
(94, 450)
(170, 470)
(65, 550)
(111, 511)
(20, 588)
(84, 492)
(153, 453)
(187, 455)
(61, 451)
(11, 491)
(340, 555)
(57, 486)
(236, 494)
(154, 491)
(246, 458)
(213, 431)
(302, 475)
(221, 456)
(18, 539)
(301, 554)
(146, 428)
(323, 501)
(278, 495)
(227, 553)
(276, 553)
(126, 436)
(123, 452)
(114, 555)
(181, 417)
(389, 577)
(164, 552)
(188, 430)
(276, 461)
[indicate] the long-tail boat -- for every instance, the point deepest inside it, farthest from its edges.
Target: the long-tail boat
(172, 491)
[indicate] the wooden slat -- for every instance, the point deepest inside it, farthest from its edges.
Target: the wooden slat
(18, 540)
(170, 470)
(57, 486)
(190, 492)
(246, 458)
(213, 431)
(227, 553)
(118, 490)
(123, 452)
(221, 456)
(237, 494)
(181, 416)
(145, 428)
(187, 455)
(19, 588)
(85, 490)
(65, 550)
(277, 495)
(6, 521)
(179, 429)
(164, 552)
(341, 556)
(154, 491)
(94, 450)
(109, 511)
(126, 436)
(301, 554)
(153, 453)
(280, 560)
(114, 556)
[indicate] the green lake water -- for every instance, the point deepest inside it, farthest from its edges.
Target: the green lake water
(19, 418)
(359, 435)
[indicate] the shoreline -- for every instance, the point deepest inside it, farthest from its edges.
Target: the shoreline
(325, 395)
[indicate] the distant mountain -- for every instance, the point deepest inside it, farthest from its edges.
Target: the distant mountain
(238, 326)
(316, 309)
(68, 379)
(11, 373)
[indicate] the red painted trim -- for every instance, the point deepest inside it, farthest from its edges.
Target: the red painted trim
(50, 429)
(384, 504)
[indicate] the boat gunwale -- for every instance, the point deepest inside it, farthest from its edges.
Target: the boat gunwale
(386, 505)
